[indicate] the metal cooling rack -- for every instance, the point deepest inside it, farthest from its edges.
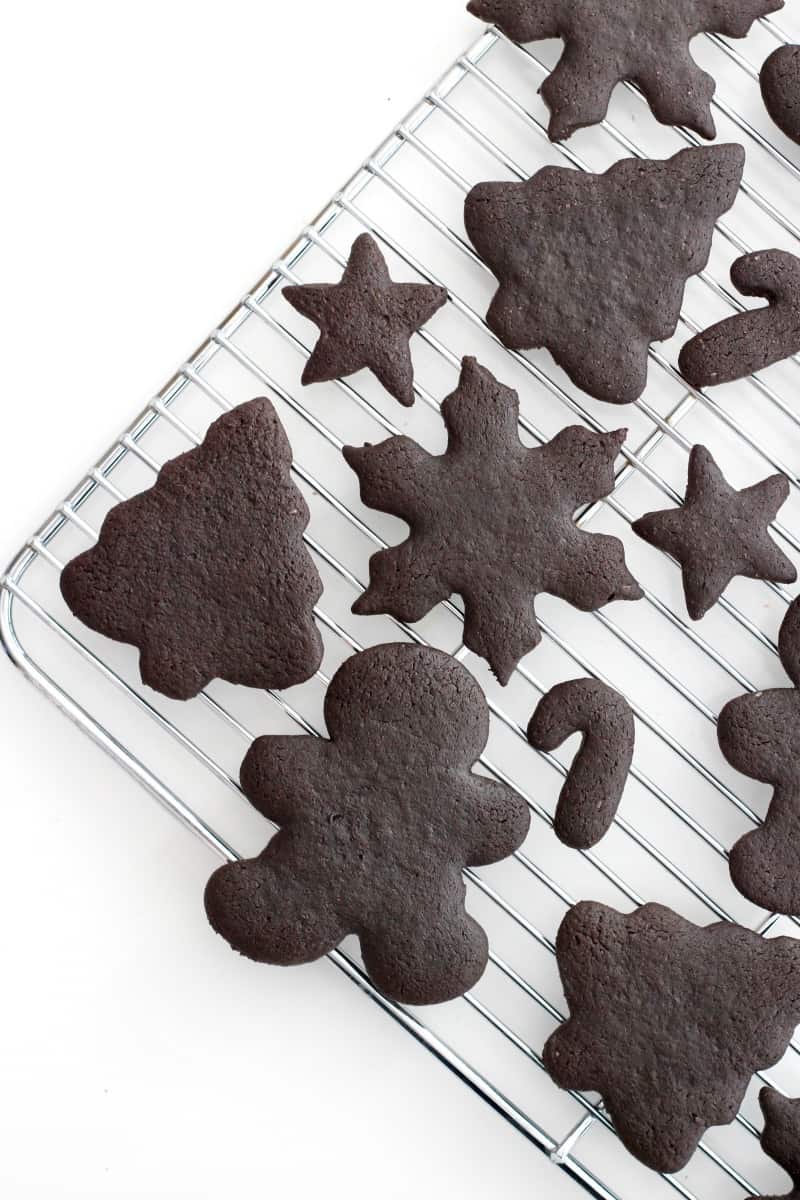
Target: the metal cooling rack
(683, 806)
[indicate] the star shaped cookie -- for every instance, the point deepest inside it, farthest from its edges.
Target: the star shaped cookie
(719, 533)
(366, 321)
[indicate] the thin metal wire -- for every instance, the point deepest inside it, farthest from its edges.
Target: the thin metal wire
(14, 596)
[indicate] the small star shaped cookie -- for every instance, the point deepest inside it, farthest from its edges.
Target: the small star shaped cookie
(366, 321)
(719, 533)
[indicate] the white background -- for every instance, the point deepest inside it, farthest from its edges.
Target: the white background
(157, 157)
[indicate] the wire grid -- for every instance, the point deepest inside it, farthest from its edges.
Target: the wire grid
(683, 806)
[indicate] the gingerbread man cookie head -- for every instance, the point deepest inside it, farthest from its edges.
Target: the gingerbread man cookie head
(377, 825)
(410, 698)
(758, 736)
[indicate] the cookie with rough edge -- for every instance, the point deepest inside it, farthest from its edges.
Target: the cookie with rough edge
(376, 826)
(780, 88)
(780, 1138)
(366, 320)
(493, 521)
(750, 341)
(593, 789)
(719, 532)
(669, 1021)
(758, 736)
(206, 572)
(607, 41)
(593, 267)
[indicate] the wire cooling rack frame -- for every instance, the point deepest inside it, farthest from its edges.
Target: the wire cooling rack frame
(661, 419)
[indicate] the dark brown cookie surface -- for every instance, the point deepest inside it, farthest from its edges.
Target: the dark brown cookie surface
(644, 41)
(750, 341)
(719, 532)
(781, 1136)
(593, 267)
(593, 789)
(376, 827)
(366, 321)
(493, 521)
(669, 1021)
(206, 572)
(780, 88)
(758, 736)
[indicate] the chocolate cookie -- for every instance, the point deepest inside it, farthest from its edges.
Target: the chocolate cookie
(376, 827)
(593, 789)
(593, 267)
(206, 572)
(781, 1136)
(492, 521)
(750, 341)
(669, 1021)
(758, 736)
(606, 41)
(780, 87)
(366, 321)
(719, 533)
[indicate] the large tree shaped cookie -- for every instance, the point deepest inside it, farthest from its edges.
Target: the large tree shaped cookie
(669, 1021)
(644, 41)
(593, 267)
(493, 521)
(376, 827)
(206, 572)
(781, 1136)
(758, 735)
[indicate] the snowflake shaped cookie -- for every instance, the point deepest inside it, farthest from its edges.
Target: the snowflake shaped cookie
(493, 521)
(607, 41)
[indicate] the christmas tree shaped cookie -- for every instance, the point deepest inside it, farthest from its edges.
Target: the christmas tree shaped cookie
(206, 572)
(492, 520)
(758, 735)
(669, 1021)
(781, 1136)
(644, 41)
(593, 267)
(376, 826)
